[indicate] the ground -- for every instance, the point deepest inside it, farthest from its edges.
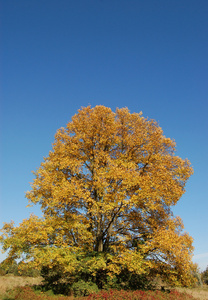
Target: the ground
(10, 281)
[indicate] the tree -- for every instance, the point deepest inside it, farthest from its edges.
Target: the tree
(106, 191)
(205, 275)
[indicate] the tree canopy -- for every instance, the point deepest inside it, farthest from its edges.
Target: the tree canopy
(106, 191)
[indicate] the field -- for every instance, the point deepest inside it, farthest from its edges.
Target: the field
(198, 293)
(12, 282)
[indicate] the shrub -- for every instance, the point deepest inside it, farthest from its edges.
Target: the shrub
(82, 288)
(138, 295)
(56, 280)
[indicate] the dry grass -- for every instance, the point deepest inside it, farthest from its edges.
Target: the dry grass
(10, 281)
(200, 293)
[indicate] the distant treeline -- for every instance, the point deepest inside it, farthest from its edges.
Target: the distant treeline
(17, 270)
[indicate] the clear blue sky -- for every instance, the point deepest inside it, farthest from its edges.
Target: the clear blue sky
(56, 56)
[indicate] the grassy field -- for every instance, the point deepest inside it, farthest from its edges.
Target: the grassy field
(198, 293)
(10, 282)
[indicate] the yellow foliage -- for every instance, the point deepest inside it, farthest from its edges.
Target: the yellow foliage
(107, 186)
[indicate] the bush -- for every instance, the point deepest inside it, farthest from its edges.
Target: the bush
(82, 288)
(25, 293)
(85, 282)
(130, 281)
(56, 280)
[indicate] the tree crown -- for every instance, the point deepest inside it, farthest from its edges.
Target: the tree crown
(107, 187)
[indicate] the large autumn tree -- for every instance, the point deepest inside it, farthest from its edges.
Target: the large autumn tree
(106, 191)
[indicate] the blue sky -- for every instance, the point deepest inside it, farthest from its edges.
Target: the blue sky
(56, 56)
